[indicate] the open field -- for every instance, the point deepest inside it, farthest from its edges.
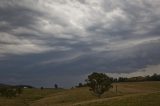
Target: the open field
(128, 94)
(28, 96)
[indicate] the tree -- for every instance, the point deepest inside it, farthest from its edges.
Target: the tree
(99, 83)
(55, 86)
(80, 85)
(42, 87)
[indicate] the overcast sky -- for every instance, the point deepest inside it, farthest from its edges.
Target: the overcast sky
(43, 42)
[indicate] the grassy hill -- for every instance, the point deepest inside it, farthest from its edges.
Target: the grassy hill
(129, 94)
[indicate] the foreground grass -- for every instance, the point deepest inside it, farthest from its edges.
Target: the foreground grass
(152, 99)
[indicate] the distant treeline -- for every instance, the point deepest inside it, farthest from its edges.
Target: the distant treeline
(154, 77)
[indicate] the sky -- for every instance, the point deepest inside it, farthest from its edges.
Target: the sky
(43, 42)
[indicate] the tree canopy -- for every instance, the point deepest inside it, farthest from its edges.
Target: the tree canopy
(99, 83)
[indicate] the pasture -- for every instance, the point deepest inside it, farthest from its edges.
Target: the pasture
(127, 94)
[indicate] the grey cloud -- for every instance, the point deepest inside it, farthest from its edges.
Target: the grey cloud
(76, 37)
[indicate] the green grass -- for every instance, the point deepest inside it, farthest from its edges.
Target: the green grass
(28, 96)
(152, 99)
(129, 94)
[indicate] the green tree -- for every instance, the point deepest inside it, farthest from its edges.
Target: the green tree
(42, 88)
(99, 83)
(55, 86)
(79, 85)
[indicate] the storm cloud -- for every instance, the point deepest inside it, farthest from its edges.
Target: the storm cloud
(60, 41)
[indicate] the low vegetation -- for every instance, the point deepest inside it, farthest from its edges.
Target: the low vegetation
(28, 96)
(10, 91)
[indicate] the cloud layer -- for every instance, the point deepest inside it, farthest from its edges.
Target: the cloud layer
(50, 38)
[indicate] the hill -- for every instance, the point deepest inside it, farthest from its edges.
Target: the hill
(83, 97)
(24, 86)
(21, 86)
(128, 94)
(4, 85)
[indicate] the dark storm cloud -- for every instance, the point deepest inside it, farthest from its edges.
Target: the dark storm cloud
(54, 38)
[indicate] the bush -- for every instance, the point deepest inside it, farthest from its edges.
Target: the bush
(10, 91)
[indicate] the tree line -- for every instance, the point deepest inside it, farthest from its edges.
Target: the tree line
(100, 82)
(154, 77)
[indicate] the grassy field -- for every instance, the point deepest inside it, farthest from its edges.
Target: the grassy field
(28, 96)
(128, 94)
(150, 99)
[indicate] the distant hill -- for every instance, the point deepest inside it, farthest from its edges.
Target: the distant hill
(21, 86)
(24, 86)
(4, 85)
